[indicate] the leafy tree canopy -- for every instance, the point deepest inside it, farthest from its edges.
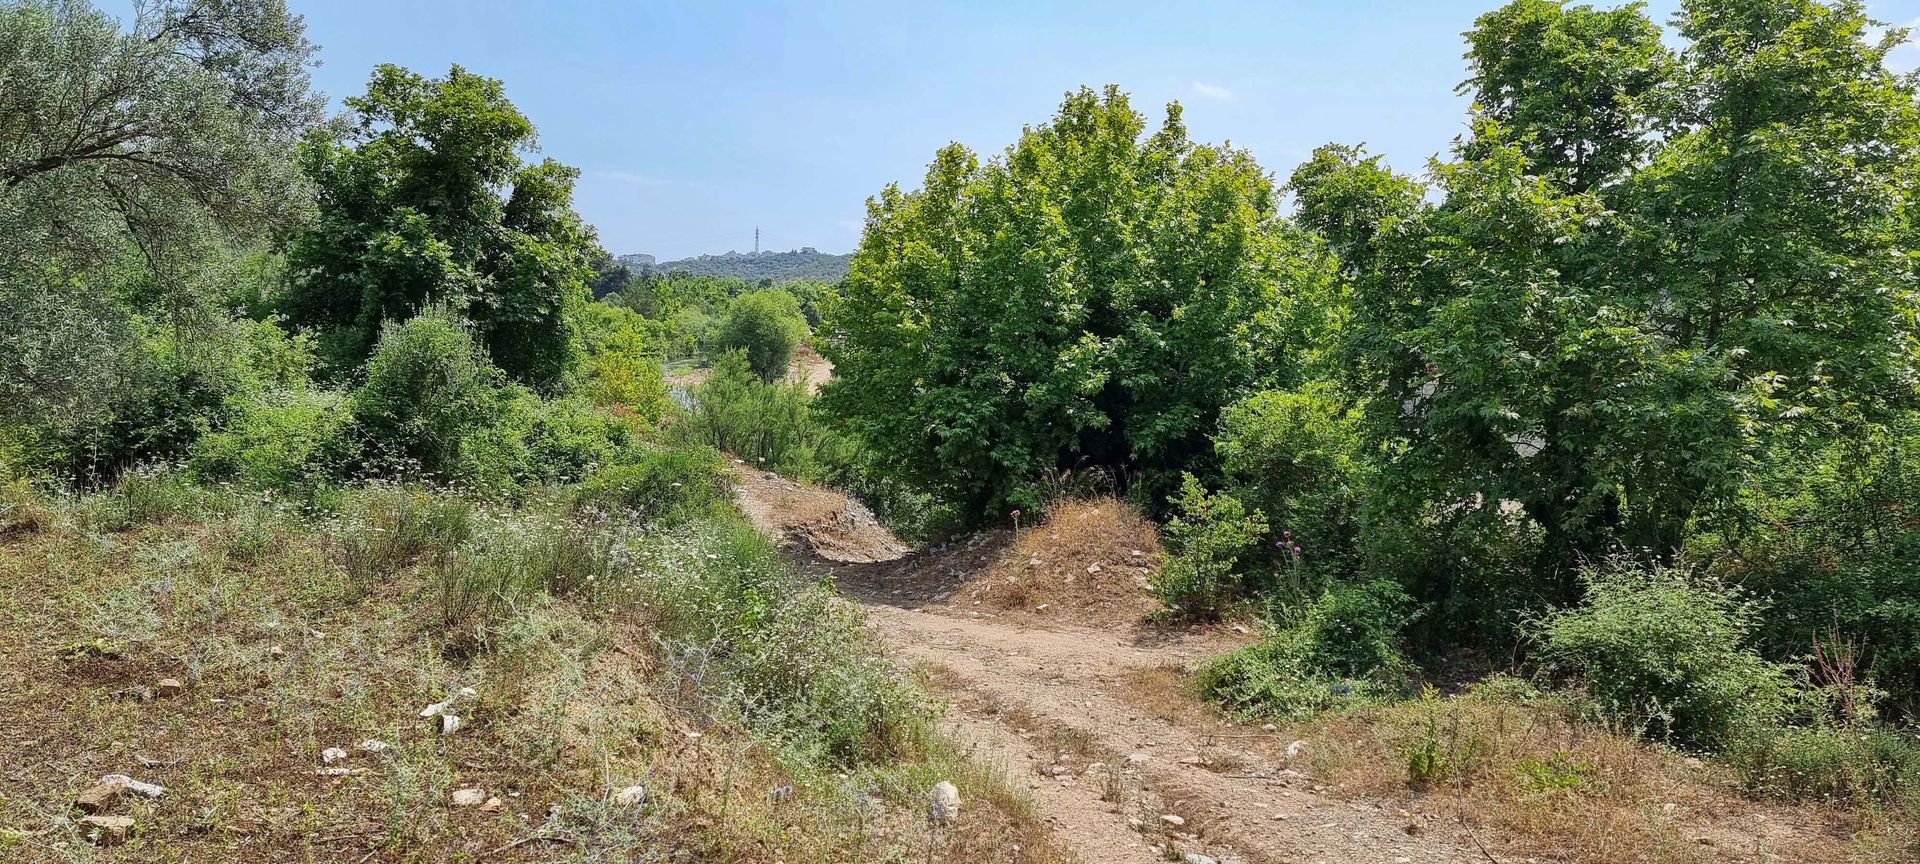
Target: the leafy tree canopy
(1093, 297)
(423, 198)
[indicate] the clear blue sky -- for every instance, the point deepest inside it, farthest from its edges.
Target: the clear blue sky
(696, 121)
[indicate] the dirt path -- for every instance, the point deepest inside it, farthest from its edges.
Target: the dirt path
(1047, 703)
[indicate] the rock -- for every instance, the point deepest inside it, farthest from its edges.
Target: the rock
(375, 745)
(1295, 749)
(469, 797)
(1197, 858)
(1093, 569)
(433, 709)
(144, 790)
(100, 798)
(1138, 758)
(107, 830)
(332, 755)
(493, 805)
(469, 692)
(170, 687)
(1240, 629)
(631, 796)
(1172, 820)
(449, 724)
(944, 806)
(277, 651)
(1269, 727)
(1057, 770)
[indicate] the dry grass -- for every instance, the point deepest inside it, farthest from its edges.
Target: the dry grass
(1088, 561)
(1536, 781)
(285, 654)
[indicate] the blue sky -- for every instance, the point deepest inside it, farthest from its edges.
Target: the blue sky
(695, 122)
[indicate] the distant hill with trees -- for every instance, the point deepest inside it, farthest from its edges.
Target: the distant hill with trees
(805, 263)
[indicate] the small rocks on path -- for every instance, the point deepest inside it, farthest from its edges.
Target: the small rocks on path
(471, 796)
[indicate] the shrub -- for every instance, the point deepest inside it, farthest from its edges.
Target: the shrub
(621, 369)
(1341, 651)
(766, 326)
(1293, 455)
(1666, 654)
(1443, 743)
(1204, 543)
(429, 389)
(381, 529)
(279, 440)
(661, 486)
(771, 424)
(506, 561)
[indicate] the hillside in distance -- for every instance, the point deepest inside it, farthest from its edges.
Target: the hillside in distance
(803, 263)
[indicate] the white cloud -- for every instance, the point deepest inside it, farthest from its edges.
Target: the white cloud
(1212, 91)
(628, 178)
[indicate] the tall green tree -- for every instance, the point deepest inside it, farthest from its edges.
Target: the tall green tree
(1093, 297)
(423, 198)
(1571, 84)
(1607, 347)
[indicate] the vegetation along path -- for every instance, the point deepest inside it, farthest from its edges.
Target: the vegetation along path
(1118, 778)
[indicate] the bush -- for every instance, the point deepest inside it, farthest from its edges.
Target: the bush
(1293, 455)
(771, 424)
(1204, 543)
(661, 486)
(280, 440)
(382, 529)
(429, 389)
(766, 326)
(1342, 650)
(621, 370)
(1666, 655)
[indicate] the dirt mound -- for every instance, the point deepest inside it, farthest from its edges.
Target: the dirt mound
(832, 525)
(1089, 560)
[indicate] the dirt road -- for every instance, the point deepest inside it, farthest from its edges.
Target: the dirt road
(1049, 702)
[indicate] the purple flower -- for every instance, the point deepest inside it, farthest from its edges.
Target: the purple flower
(1287, 534)
(1296, 550)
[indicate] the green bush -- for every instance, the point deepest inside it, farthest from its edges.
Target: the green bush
(661, 486)
(771, 424)
(1340, 651)
(1294, 455)
(1204, 543)
(766, 326)
(429, 390)
(1667, 655)
(280, 440)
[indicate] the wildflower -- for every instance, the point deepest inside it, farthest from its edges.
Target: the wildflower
(1287, 534)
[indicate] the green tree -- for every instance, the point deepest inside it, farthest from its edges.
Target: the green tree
(139, 169)
(766, 325)
(1094, 297)
(423, 198)
(1608, 353)
(1570, 84)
